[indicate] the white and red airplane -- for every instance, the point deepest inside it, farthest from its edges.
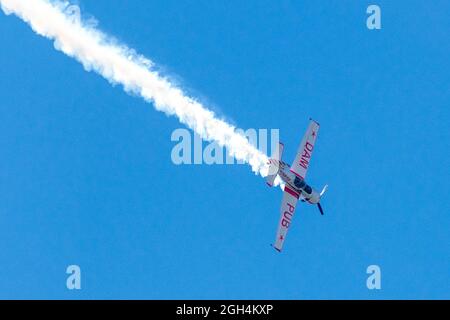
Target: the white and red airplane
(293, 176)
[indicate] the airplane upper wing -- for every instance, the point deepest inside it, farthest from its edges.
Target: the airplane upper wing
(301, 162)
(290, 198)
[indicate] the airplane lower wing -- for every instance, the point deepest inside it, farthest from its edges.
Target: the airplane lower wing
(304, 153)
(290, 198)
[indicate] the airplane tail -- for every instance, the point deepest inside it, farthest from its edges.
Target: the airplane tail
(274, 164)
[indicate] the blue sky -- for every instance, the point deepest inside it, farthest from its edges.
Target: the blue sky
(86, 175)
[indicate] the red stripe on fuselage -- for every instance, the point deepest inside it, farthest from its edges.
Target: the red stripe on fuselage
(297, 174)
(291, 192)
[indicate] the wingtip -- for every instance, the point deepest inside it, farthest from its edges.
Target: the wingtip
(314, 121)
(275, 248)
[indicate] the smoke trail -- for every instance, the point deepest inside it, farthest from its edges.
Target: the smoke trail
(58, 21)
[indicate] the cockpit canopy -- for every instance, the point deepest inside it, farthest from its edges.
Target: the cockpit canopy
(301, 184)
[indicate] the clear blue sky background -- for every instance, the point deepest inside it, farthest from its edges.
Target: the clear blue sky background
(86, 176)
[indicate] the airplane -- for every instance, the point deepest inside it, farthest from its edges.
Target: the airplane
(295, 187)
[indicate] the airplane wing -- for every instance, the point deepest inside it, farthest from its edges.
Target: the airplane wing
(290, 198)
(301, 162)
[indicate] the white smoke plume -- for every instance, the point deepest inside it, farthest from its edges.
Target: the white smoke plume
(60, 21)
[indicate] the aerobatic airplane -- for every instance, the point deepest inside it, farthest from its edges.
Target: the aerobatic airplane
(293, 176)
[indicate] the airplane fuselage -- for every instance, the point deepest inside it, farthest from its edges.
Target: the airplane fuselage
(297, 183)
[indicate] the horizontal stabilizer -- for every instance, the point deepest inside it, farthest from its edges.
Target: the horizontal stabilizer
(274, 164)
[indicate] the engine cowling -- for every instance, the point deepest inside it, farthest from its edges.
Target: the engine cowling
(313, 198)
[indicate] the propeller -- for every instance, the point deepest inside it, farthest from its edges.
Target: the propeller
(321, 194)
(324, 190)
(320, 208)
